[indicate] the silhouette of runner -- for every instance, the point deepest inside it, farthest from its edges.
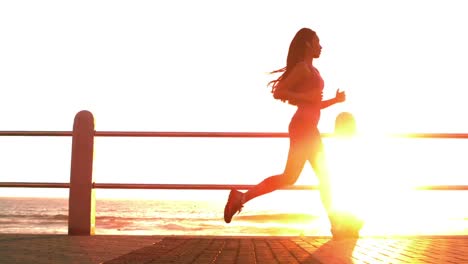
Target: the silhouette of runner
(300, 84)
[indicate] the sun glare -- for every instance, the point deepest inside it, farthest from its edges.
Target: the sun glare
(368, 182)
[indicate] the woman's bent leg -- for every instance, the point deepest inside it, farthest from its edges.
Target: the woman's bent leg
(297, 157)
(266, 186)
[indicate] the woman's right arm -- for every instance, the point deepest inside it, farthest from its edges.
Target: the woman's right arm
(283, 90)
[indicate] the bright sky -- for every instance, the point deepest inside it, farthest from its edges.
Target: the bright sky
(201, 65)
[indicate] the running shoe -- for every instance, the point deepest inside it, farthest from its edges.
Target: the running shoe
(234, 205)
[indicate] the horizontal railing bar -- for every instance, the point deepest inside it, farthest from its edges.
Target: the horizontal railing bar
(153, 134)
(35, 184)
(199, 186)
(195, 134)
(214, 134)
(442, 188)
(191, 186)
(36, 133)
(428, 135)
(242, 187)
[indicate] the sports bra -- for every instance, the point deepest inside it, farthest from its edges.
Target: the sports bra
(315, 80)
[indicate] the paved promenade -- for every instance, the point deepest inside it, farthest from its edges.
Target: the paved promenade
(114, 249)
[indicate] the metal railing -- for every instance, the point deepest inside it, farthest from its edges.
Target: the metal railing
(170, 186)
(81, 218)
(22, 133)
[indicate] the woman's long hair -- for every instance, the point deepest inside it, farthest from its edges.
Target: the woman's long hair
(296, 54)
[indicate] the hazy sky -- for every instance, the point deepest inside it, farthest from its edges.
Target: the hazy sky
(202, 65)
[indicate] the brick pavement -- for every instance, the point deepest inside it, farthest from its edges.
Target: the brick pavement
(114, 249)
(301, 250)
(57, 249)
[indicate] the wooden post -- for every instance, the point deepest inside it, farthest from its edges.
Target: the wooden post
(81, 202)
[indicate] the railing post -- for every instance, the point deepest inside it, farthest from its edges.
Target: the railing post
(81, 201)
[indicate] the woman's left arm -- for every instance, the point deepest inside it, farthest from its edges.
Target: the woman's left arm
(339, 98)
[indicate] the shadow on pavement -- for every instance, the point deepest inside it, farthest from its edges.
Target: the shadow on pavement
(333, 251)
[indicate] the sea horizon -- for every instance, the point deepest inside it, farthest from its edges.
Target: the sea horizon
(130, 216)
(372, 177)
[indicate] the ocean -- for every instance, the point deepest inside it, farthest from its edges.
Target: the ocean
(372, 177)
(204, 217)
(150, 217)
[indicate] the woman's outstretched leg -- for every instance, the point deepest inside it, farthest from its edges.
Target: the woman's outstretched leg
(237, 199)
(297, 157)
